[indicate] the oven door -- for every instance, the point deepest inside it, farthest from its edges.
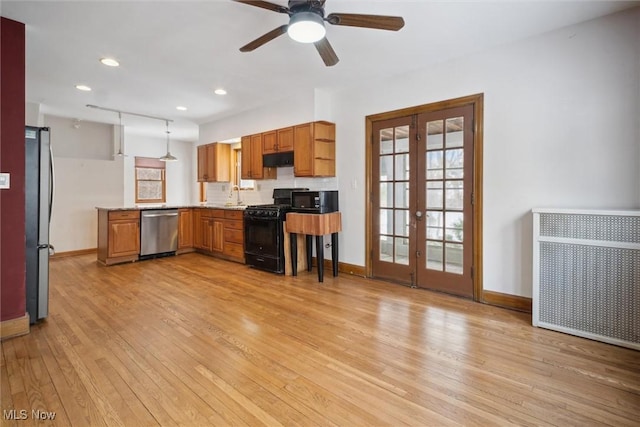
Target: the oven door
(263, 243)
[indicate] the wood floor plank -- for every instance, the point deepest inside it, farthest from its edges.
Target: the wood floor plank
(193, 340)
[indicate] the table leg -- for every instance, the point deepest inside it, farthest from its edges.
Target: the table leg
(309, 251)
(294, 253)
(320, 257)
(334, 253)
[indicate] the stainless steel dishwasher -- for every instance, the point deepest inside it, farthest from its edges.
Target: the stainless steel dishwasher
(158, 232)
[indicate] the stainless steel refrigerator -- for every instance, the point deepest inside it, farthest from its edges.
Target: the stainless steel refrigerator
(39, 202)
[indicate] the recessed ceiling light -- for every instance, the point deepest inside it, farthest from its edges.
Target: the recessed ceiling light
(181, 108)
(220, 91)
(110, 62)
(83, 87)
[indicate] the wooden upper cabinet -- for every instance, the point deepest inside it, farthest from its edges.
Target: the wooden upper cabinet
(252, 167)
(314, 149)
(277, 141)
(270, 142)
(214, 162)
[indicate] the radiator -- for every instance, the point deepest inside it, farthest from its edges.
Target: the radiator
(586, 274)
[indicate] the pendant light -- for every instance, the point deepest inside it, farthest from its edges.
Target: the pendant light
(121, 137)
(168, 157)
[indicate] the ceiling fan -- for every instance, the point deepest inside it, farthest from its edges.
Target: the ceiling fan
(306, 25)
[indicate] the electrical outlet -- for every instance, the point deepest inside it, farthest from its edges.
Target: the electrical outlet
(5, 181)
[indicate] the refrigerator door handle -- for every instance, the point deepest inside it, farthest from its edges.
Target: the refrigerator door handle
(52, 249)
(51, 182)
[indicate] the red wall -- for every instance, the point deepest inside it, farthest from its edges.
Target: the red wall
(12, 122)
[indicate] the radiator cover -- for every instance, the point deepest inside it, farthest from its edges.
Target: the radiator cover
(586, 274)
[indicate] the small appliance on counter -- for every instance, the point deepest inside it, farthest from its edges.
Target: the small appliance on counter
(315, 202)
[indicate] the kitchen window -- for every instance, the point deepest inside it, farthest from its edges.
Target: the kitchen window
(150, 180)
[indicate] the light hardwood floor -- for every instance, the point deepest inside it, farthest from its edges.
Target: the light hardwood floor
(195, 341)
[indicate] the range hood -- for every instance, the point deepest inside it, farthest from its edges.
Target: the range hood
(277, 160)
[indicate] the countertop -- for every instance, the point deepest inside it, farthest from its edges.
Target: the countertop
(154, 207)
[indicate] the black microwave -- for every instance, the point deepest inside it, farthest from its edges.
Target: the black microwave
(317, 202)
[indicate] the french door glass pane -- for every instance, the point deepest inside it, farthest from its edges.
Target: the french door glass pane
(435, 225)
(455, 163)
(402, 167)
(454, 221)
(434, 255)
(386, 249)
(386, 168)
(402, 139)
(386, 194)
(434, 195)
(402, 195)
(402, 251)
(455, 126)
(454, 194)
(386, 221)
(434, 135)
(386, 141)
(434, 164)
(453, 257)
(402, 222)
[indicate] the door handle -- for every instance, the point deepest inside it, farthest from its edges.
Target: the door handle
(419, 215)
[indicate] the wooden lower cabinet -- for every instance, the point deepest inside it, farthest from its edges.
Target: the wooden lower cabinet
(185, 230)
(234, 235)
(219, 232)
(118, 236)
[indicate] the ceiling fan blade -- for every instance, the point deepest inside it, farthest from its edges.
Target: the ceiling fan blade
(326, 52)
(264, 39)
(380, 22)
(265, 5)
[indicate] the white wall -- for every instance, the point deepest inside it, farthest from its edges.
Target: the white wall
(81, 184)
(84, 178)
(560, 130)
(179, 174)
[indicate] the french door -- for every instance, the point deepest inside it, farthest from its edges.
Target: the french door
(422, 190)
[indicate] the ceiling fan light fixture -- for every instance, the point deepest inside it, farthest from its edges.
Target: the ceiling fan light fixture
(306, 27)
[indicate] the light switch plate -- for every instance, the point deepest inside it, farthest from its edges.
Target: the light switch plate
(5, 181)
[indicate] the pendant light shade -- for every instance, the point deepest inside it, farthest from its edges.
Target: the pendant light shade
(168, 157)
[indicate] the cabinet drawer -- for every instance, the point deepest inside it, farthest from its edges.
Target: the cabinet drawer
(233, 214)
(217, 213)
(235, 224)
(234, 236)
(234, 250)
(114, 215)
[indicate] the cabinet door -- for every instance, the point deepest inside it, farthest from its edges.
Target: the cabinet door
(217, 235)
(198, 230)
(219, 158)
(269, 142)
(303, 150)
(245, 145)
(203, 176)
(207, 226)
(285, 139)
(124, 238)
(185, 228)
(256, 156)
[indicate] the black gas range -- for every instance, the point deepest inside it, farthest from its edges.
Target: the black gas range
(264, 231)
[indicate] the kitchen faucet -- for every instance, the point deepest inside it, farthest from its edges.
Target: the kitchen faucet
(236, 188)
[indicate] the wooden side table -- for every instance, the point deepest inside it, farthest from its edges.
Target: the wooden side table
(314, 225)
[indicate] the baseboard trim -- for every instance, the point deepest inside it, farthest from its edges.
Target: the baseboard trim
(513, 302)
(74, 253)
(343, 267)
(14, 327)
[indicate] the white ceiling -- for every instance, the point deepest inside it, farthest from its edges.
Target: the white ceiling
(177, 53)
